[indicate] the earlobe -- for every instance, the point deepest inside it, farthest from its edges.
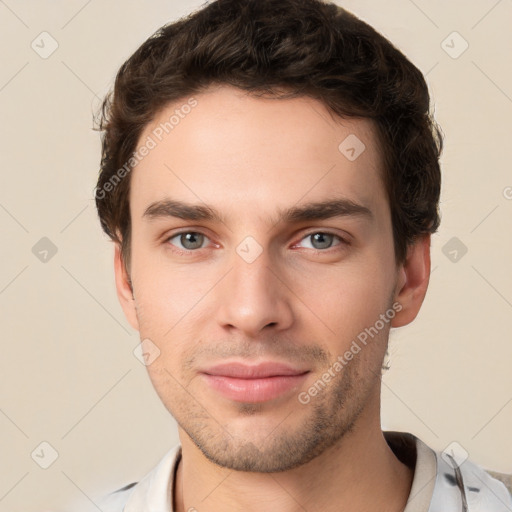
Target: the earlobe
(124, 289)
(412, 281)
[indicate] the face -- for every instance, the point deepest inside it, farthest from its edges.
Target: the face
(261, 251)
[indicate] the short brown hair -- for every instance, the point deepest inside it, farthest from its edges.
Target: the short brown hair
(281, 48)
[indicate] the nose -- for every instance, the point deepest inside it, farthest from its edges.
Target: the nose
(253, 297)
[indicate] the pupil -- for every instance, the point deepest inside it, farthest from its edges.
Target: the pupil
(321, 237)
(188, 238)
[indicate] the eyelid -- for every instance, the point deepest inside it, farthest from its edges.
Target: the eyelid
(168, 237)
(344, 239)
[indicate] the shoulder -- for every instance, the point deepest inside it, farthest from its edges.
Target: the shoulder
(466, 482)
(449, 480)
(155, 487)
(116, 500)
(504, 478)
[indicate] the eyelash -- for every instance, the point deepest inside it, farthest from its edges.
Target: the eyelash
(343, 242)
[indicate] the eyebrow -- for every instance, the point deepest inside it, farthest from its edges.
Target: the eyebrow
(307, 212)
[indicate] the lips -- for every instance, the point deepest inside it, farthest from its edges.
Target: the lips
(244, 371)
(253, 383)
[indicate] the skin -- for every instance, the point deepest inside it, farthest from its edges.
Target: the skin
(302, 301)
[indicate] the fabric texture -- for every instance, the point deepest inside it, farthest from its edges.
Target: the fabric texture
(439, 484)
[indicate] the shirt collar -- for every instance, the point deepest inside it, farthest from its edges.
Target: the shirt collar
(156, 490)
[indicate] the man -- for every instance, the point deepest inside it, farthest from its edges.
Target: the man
(270, 178)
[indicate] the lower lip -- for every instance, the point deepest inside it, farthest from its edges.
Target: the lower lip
(254, 390)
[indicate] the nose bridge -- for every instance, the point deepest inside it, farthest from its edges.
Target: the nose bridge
(253, 277)
(252, 296)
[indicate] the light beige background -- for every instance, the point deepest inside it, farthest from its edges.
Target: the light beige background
(68, 373)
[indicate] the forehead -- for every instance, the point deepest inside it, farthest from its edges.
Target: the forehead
(249, 155)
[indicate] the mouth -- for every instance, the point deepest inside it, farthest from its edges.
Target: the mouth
(253, 383)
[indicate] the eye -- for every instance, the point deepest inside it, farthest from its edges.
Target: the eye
(189, 240)
(321, 240)
(193, 240)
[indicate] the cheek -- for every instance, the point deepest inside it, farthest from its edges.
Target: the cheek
(359, 288)
(171, 314)
(165, 295)
(167, 382)
(350, 305)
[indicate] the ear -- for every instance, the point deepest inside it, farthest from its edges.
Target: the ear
(124, 289)
(412, 281)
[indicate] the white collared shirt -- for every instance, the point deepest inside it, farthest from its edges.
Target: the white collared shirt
(438, 485)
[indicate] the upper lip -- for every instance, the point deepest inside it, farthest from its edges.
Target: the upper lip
(255, 371)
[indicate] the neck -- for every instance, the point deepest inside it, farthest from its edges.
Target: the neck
(359, 473)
